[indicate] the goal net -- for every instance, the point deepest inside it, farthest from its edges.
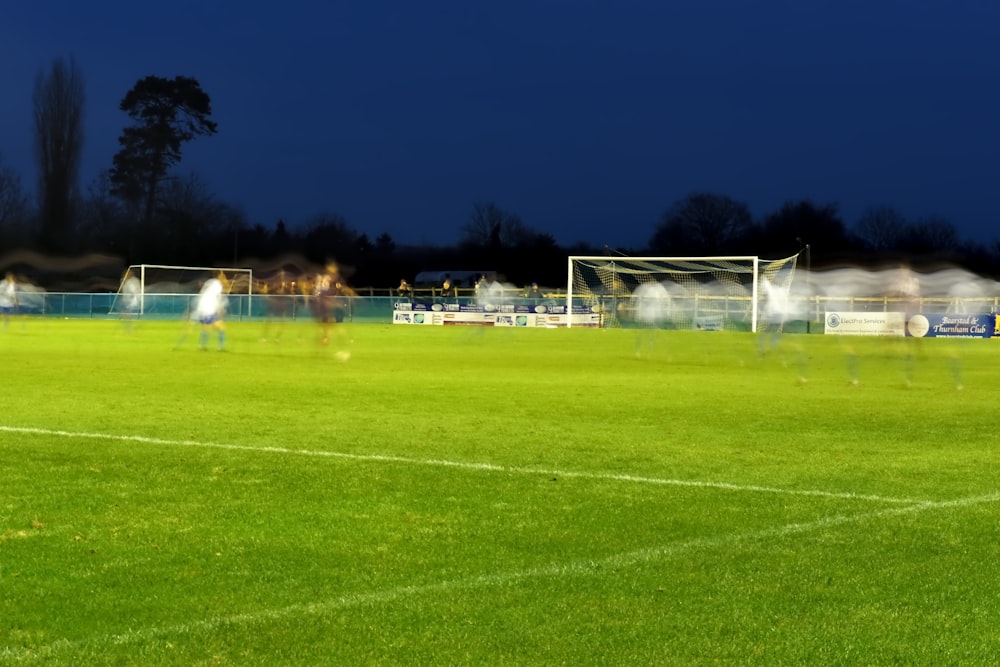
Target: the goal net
(710, 293)
(156, 290)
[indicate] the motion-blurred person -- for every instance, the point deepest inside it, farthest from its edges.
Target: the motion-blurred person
(650, 302)
(482, 286)
(131, 292)
(955, 363)
(279, 303)
(324, 287)
(404, 291)
(329, 304)
(778, 308)
(8, 298)
(341, 306)
(853, 364)
(906, 289)
(210, 311)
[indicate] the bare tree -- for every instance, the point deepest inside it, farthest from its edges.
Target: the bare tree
(804, 222)
(932, 235)
(385, 244)
(192, 222)
(490, 226)
(330, 236)
(702, 222)
(14, 207)
(58, 118)
(882, 228)
(102, 219)
(515, 233)
(483, 226)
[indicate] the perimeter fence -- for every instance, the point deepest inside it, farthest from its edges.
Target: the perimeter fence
(100, 305)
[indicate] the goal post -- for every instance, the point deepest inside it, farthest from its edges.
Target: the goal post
(709, 293)
(162, 289)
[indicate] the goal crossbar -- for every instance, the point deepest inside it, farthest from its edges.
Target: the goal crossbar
(611, 279)
(141, 272)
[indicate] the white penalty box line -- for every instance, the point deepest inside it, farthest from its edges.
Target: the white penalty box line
(464, 465)
(575, 567)
(578, 567)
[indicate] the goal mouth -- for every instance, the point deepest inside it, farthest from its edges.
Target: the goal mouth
(159, 290)
(735, 293)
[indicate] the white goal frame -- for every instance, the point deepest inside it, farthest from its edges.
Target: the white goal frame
(751, 260)
(139, 270)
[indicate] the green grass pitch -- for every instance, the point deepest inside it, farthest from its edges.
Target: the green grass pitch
(453, 495)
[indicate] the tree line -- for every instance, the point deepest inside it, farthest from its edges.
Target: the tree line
(143, 209)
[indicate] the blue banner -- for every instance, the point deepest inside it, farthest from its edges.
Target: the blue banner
(937, 325)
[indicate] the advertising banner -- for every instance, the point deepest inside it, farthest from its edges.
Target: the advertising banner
(865, 324)
(922, 325)
(936, 325)
(502, 315)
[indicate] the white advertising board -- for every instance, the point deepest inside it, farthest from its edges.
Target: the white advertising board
(505, 315)
(865, 324)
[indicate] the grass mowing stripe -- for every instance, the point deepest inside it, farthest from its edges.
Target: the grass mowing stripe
(193, 538)
(576, 567)
(489, 467)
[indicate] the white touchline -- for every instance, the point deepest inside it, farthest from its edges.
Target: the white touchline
(607, 564)
(487, 467)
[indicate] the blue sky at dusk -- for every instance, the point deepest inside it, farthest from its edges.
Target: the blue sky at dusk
(586, 119)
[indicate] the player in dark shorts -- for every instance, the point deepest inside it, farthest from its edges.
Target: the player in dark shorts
(279, 302)
(330, 299)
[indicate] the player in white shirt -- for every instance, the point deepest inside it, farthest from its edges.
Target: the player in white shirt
(131, 299)
(210, 310)
(651, 302)
(8, 298)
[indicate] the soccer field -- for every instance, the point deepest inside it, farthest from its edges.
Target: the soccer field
(455, 495)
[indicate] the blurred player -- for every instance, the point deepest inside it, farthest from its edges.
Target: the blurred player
(778, 308)
(131, 299)
(8, 298)
(330, 293)
(651, 302)
(210, 310)
(906, 289)
(279, 298)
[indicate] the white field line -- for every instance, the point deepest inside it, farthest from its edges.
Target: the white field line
(486, 467)
(597, 566)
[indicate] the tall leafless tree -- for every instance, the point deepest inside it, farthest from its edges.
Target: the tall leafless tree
(489, 226)
(702, 222)
(101, 217)
(14, 207)
(882, 228)
(189, 217)
(933, 234)
(58, 118)
(802, 222)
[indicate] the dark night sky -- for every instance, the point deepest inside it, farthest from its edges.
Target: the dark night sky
(587, 119)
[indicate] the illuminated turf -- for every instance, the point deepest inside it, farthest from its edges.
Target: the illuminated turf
(461, 496)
